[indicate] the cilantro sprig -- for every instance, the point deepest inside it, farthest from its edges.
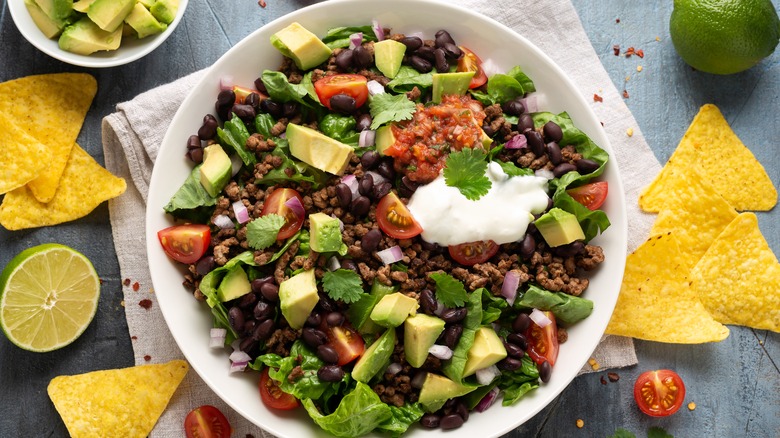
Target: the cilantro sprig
(262, 232)
(449, 291)
(386, 107)
(343, 284)
(465, 170)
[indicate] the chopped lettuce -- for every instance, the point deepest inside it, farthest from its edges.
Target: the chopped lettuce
(264, 122)
(308, 385)
(341, 128)
(492, 306)
(359, 412)
(407, 78)
(566, 308)
(515, 384)
(401, 418)
(338, 37)
(500, 88)
(192, 202)
(234, 134)
(281, 90)
(453, 368)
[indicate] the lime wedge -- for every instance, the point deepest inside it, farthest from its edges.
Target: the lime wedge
(48, 296)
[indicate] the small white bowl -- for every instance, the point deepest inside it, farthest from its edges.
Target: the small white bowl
(130, 49)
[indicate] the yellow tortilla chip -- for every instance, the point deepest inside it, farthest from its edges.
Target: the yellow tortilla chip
(738, 279)
(84, 186)
(50, 108)
(696, 213)
(122, 403)
(656, 301)
(725, 162)
(22, 157)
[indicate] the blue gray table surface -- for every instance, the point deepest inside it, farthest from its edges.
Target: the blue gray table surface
(735, 384)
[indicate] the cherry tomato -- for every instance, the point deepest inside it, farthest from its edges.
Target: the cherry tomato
(206, 422)
(345, 340)
(395, 219)
(590, 195)
(275, 204)
(185, 243)
(472, 253)
(351, 85)
(543, 342)
(659, 393)
(273, 396)
(471, 62)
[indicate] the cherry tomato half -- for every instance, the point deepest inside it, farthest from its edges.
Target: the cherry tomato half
(345, 340)
(276, 204)
(206, 422)
(590, 195)
(395, 219)
(543, 342)
(185, 243)
(354, 86)
(471, 62)
(659, 393)
(273, 396)
(472, 253)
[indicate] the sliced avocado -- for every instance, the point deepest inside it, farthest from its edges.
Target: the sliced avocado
(147, 3)
(235, 284)
(49, 26)
(450, 83)
(109, 14)
(85, 37)
(82, 5)
(436, 390)
(392, 309)
(487, 350)
(376, 357)
(165, 10)
(317, 149)
(325, 232)
(143, 22)
(302, 46)
(56, 9)
(559, 227)
(384, 138)
(216, 169)
(388, 55)
(297, 297)
(420, 333)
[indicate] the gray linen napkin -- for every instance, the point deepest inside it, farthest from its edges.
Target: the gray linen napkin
(132, 135)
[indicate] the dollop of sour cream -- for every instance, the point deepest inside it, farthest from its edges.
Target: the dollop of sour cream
(502, 215)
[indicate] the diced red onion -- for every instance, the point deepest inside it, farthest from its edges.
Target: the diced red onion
(226, 83)
(223, 221)
(375, 88)
(352, 182)
(237, 367)
(367, 138)
(333, 264)
(488, 400)
(391, 255)
(442, 352)
(487, 374)
(380, 33)
(283, 135)
(242, 215)
(236, 163)
(217, 337)
(530, 103)
(355, 40)
(489, 67)
(544, 173)
(517, 142)
(418, 379)
(295, 205)
(540, 318)
(509, 288)
(394, 368)
(378, 179)
(238, 361)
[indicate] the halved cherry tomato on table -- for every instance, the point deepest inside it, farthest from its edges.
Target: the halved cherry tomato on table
(591, 195)
(659, 393)
(543, 342)
(395, 219)
(347, 342)
(354, 86)
(471, 62)
(276, 204)
(472, 253)
(185, 243)
(206, 422)
(273, 396)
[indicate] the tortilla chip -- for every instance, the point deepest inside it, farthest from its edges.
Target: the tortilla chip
(738, 279)
(123, 403)
(84, 186)
(657, 302)
(51, 108)
(22, 157)
(696, 214)
(726, 164)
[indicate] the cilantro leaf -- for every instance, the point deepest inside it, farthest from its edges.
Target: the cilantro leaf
(388, 107)
(658, 432)
(623, 433)
(343, 284)
(449, 291)
(261, 232)
(465, 170)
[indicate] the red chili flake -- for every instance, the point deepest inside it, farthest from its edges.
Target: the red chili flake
(597, 98)
(147, 358)
(136, 286)
(262, 3)
(616, 50)
(617, 20)
(134, 337)
(126, 282)
(613, 377)
(629, 52)
(640, 53)
(625, 94)
(603, 380)
(100, 280)
(249, 435)
(145, 303)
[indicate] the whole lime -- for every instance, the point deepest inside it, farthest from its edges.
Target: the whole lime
(724, 36)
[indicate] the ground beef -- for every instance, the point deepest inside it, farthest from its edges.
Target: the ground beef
(283, 261)
(281, 340)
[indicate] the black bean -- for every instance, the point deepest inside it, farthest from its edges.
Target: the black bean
(552, 131)
(343, 194)
(521, 323)
(344, 60)
(430, 246)
(563, 169)
(263, 311)
(208, 129)
(442, 37)
(514, 350)
(314, 320)
(528, 246)
(532, 226)
(327, 353)
(260, 85)
(361, 58)
(369, 160)
(550, 204)
(430, 421)
(360, 206)
(271, 107)
(451, 335)
(349, 264)
(420, 64)
(225, 99)
(440, 61)
(327, 304)
(586, 166)
(381, 190)
(193, 142)
(489, 130)
(366, 184)
(253, 100)
(525, 123)
(244, 112)
(257, 283)
(570, 249)
(428, 301)
(462, 410)
(247, 344)
(426, 53)
(545, 371)
(514, 107)
(335, 319)
(509, 364)
(554, 152)
(451, 421)
(535, 142)
(196, 155)
(385, 169)
(412, 43)
(363, 122)
(314, 337)
(330, 373)
(454, 315)
(343, 103)
(290, 109)
(452, 51)
(236, 318)
(270, 292)
(205, 265)
(249, 327)
(370, 240)
(518, 339)
(263, 330)
(248, 301)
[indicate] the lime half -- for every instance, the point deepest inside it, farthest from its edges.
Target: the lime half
(48, 296)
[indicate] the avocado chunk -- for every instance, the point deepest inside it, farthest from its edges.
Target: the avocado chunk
(300, 45)
(109, 14)
(57, 10)
(420, 333)
(359, 313)
(235, 284)
(392, 309)
(49, 26)
(297, 298)
(450, 83)
(317, 149)
(147, 3)
(82, 5)
(165, 10)
(436, 390)
(85, 37)
(376, 357)
(325, 232)
(143, 22)
(384, 138)
(487, 350)
(388, 55)
(216, 170)
(559, 227)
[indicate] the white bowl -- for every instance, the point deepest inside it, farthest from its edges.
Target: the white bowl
(130, 49)
(189, 320)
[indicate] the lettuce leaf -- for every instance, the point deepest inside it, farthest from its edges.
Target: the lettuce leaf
(309, 384)
(234, 134)
(401, 418)
(407, 78)
(359, 412)
(453, 368)
(566, 308)
(339, 36)
(515, 384)
(191, 202)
